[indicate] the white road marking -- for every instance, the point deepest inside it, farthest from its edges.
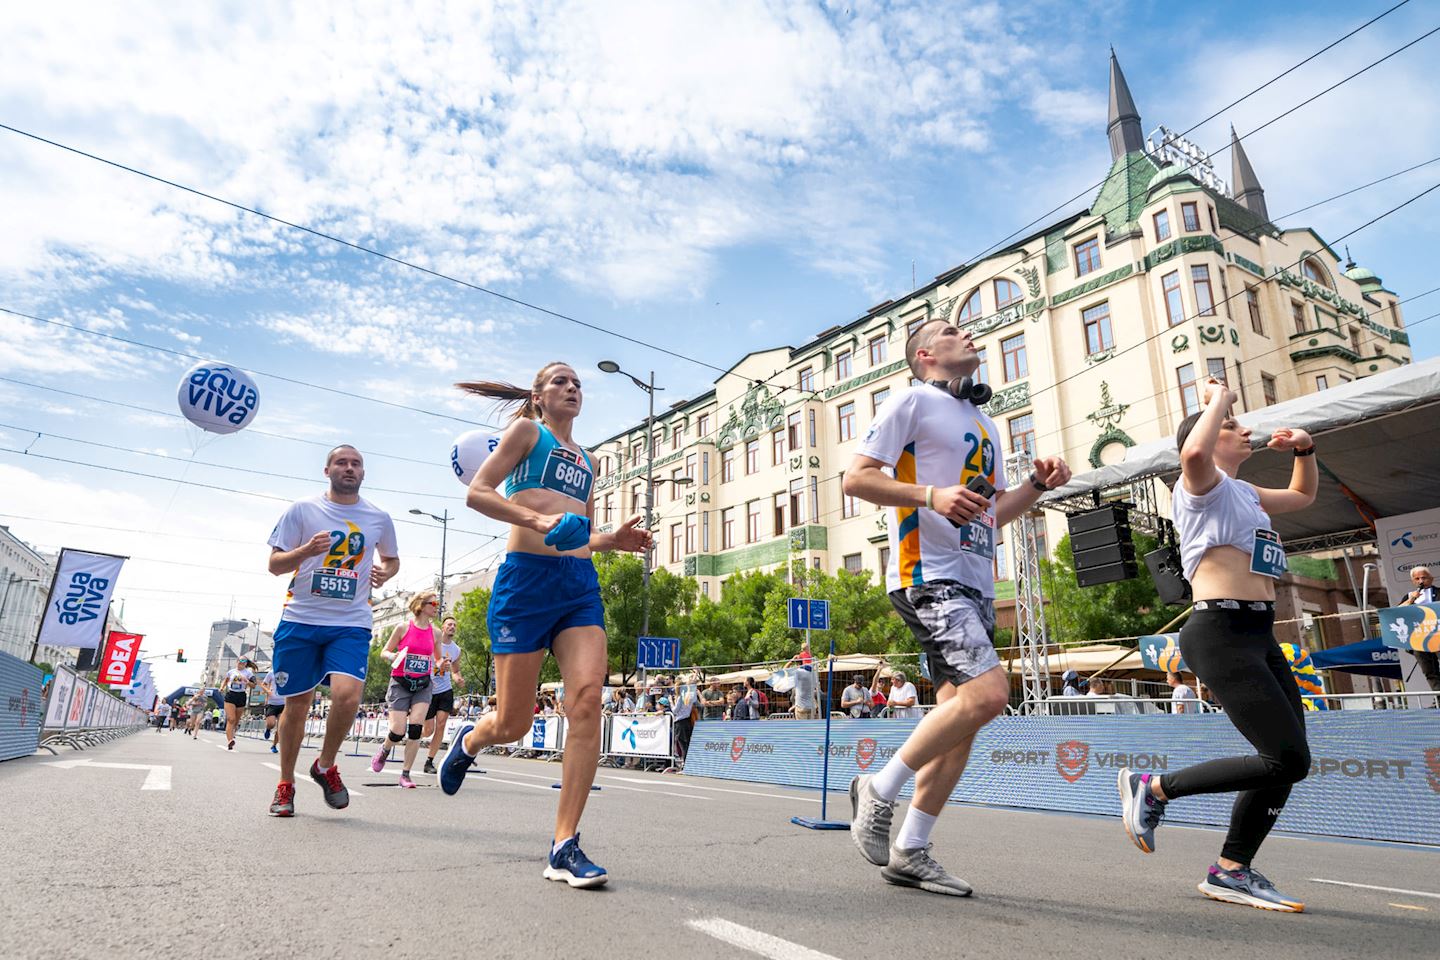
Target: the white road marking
(756, 942)
(696, 786)
(156, 777)
(306, 779)
(1366, 886)
(687, 796)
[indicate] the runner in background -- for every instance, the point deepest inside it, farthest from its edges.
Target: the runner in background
(274, 707)
(162, 715)
(237, 684)
(198, 712)
(412, 648)
(442, 702)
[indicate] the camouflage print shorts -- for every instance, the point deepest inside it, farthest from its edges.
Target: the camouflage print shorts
(955, 625)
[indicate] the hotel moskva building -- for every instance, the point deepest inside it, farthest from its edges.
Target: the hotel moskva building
(1169, 261)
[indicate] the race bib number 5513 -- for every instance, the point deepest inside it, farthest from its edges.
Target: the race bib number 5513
(335, 583)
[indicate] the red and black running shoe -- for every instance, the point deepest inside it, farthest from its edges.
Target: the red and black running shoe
(284, 803)
(335, 793)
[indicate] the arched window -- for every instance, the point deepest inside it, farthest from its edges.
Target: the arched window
(971, 310)
(1313, 271)
(1006, 293)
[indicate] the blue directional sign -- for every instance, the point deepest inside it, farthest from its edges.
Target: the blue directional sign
(658, 653)
(809, 614)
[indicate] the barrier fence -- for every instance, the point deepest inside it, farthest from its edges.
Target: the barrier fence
(77, 713)
(24, 707)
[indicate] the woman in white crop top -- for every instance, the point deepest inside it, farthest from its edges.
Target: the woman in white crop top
(1232, 558)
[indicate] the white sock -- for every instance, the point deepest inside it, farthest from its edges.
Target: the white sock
(915, 832)
(888, 783)
(558, 844)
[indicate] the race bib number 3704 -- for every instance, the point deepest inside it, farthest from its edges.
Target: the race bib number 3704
(335, 583)
(978, 536)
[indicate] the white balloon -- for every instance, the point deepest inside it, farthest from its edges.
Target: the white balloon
(218, 398)
(470, 451)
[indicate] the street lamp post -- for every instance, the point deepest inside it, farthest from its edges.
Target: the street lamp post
(610, 366)
(444, 521)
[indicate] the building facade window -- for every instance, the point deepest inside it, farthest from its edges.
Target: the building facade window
(1012, 352)
(1190, 214)
(727, 528)
(1204, 297)
(844, 365)
(914, 325)
(807, 380)
(884, 556)
(1006, 293)
(1162, 226)
(1087, 256)
(674, 486)
(689, 533)
(727, 465)
(1098, 335)
(1252, 303)
(1355, 340)
(877, 351)
(705, 466)
(1174, 305)
(982, 372)
(797, 502)
(752, 457)
(777, 447)
(777, 518)
(705, 532)
(1267, 389)
(691, 462)
(702, 426)
(1215, 367)
(845, 421)
(1322, 382)
(851, 563)
(1214, 226)
(1313, 271)
(608, 513)
(1022, 434)
(752, 522)
(814, 430)
(677, 438)
(676, 542)
(792, 430)
(1189, 392)
(1297, 311)
(637, 498)
(877, 400)
(971, 310)
(849, 506)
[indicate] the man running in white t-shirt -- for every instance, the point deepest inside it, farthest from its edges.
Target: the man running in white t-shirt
(337, 547)
(941, 447)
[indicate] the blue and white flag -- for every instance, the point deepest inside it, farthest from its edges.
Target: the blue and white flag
(79, 599)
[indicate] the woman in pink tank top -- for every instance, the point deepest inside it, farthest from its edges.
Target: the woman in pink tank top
(412, 649)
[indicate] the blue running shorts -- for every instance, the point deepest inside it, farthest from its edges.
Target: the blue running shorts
(307, 653)
(536, 597)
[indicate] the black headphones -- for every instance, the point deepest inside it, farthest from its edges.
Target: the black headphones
(964, 388)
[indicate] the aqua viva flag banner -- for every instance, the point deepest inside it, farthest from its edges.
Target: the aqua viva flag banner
(79, 599)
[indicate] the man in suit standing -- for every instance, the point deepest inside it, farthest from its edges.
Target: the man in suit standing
(1425, 592)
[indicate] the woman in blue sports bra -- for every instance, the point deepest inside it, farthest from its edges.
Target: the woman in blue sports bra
(546, 595)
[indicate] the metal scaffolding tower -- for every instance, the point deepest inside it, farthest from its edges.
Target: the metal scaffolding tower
(1030, 634)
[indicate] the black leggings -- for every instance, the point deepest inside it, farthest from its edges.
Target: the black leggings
(1234, 653)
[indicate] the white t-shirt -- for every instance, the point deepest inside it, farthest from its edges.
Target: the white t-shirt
(238, 681)
(442, 681)
(333, 589)
(273, 699)
(930, 437)
(906, 691)
(163, 708)
(1227, 516)
(1182, 693)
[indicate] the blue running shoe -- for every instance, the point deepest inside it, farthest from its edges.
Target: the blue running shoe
(1249, 887)
(457, 762)
(569, 864)
(1139, 808)
(274, 749)
(267, 733)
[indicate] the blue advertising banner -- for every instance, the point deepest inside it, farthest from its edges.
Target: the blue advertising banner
(1374, 774)
(1413, 627)
(22, 707)
(1162, 652)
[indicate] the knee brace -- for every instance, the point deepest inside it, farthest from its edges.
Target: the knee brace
(415, 730)
(394, 737)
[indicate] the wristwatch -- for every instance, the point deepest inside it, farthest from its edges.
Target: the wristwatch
(1307, 452)
(1036, 482)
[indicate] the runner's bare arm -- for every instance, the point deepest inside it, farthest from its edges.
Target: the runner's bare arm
(1304, 477)
(1197, 464)
(288, 561)
(865, 479)
(1010, 503)
(383, 570)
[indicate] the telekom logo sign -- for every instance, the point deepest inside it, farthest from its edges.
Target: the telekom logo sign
(118, 661)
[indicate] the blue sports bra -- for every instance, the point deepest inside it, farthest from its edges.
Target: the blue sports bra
(551, 465)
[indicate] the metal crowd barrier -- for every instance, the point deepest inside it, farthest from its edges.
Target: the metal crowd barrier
(80, 713)
(1112, 706)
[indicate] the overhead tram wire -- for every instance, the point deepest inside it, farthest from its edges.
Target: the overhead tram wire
(249, 431)
(515, 300)
(264, 373)
(211, 486)
(1188, 166)
(40, 434)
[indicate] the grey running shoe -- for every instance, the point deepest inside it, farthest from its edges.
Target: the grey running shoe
(1139, 808)
(916, 868)
(1246, 886)
(870, 820)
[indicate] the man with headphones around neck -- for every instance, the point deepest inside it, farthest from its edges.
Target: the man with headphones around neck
(943, 449)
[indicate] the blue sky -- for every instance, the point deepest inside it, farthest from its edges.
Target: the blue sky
(713, 177)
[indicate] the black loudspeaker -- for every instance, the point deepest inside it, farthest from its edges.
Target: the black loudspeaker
(1170, 582)
(88, 660)
(1102, 544)
(963, 388)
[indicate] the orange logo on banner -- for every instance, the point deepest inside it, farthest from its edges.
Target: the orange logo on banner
(1072, 759)
(864, 753)
(737, 747)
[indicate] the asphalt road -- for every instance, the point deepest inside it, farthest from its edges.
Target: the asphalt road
(96, 865)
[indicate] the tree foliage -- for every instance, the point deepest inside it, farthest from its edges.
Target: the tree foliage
(1077, 615)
